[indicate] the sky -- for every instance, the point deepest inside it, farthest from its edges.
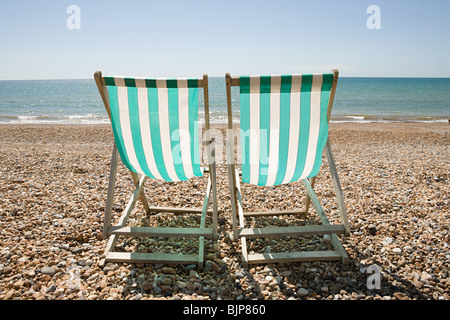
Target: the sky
(189, 38)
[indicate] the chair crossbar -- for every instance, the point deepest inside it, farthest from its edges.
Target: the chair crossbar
(294, 257)
(165, 258)
(162, 232)
(275, 213)
(291, 231)
(178, 210)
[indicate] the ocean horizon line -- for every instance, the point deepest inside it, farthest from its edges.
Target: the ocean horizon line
(96, 120)
(358, 99)
(209, 76)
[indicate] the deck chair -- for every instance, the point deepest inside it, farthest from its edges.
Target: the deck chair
(155, 127)
(284, 130)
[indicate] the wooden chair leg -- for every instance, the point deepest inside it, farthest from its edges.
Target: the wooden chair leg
(213, 180)
(121, 230)
(308, 199)
(337, 187)
(110, 194)
(232, 186)
(142, 196)
(338, 253)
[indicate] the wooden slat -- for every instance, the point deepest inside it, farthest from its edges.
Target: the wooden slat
(232, 187)
(244, 252)
(274, 213)
(337, 187)
(290, 231)
(332, 93)
(312, 181)
(337, 245)
(110, 246)
(315, 202)
(161, 232)
(229, 106)
(142, 197)
(293, 256)
(205, 203)
(100, 81)
(177, 210)
(235, 81)
(137, 257)
(110, 194)
(239, 200)
(126, 212)
(213, 179)
(210, 145)
(201, 252)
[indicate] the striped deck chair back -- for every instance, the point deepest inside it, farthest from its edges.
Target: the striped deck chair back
(284, 126)
(156, 134)
(284, 130)
(155, 125)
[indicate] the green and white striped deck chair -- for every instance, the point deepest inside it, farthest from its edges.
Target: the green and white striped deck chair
(284, 130)
(155, 127)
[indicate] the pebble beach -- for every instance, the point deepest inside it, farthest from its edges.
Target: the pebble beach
(395, 180)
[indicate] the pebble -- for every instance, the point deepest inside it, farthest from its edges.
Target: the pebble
(167, 270)
(387, 241)
(408, 249)
(48, 271)
(400, 296)
(302, 292)
(52, 227)
(58, 292)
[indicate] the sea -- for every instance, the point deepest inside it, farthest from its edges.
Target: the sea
(358, 99)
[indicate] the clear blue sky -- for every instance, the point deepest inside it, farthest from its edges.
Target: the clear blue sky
(190, 37)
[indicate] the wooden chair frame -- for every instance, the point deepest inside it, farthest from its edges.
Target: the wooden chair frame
(202, 232)
(238, 213)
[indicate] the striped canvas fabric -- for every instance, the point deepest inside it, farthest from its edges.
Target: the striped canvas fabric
(155, 125)
(284, 126)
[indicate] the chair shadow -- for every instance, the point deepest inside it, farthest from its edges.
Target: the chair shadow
(355, 281)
